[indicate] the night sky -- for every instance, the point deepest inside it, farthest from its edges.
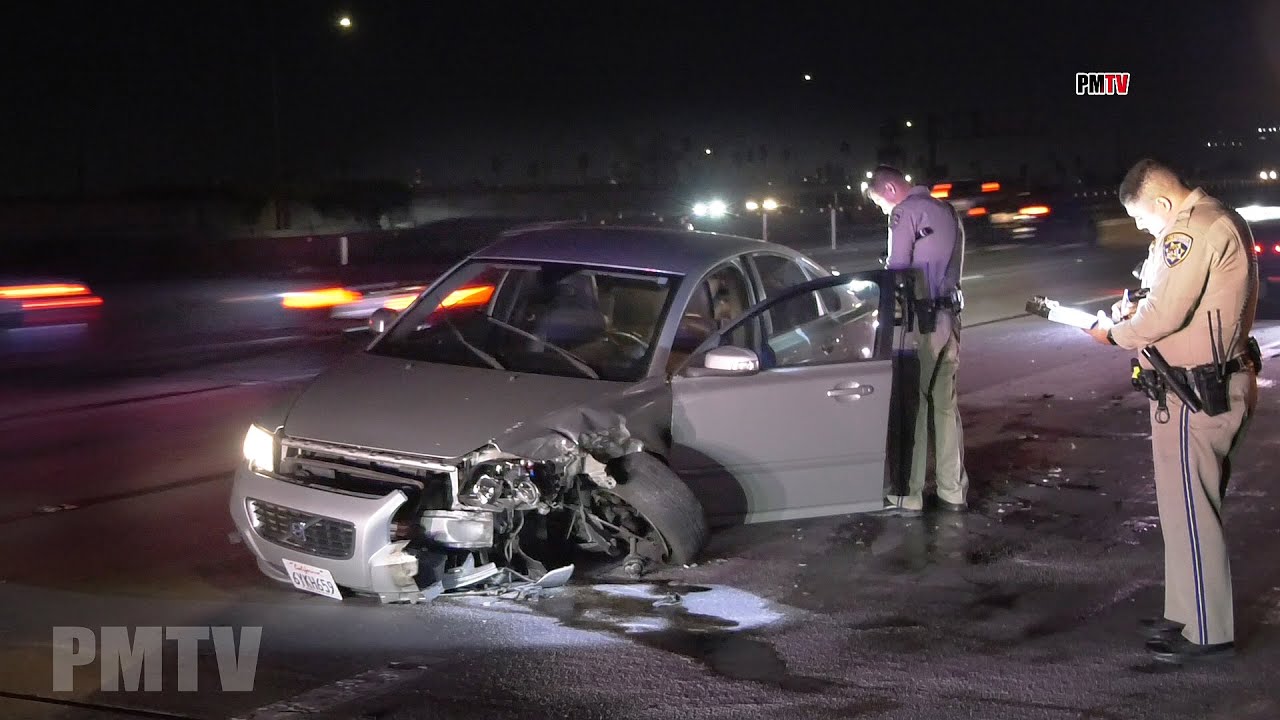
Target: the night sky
(121, 94)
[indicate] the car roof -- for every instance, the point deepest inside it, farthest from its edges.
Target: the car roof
(683, 252)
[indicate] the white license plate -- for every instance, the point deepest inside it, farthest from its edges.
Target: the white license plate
(312, 579)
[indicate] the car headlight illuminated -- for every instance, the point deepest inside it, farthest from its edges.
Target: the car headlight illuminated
(260, 449)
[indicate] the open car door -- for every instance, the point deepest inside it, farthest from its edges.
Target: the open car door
(797, 425)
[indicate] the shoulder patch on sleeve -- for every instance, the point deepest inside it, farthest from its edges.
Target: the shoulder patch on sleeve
(1175, 248)
(894, 217)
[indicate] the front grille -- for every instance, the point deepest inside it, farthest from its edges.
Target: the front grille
(312, 534)
(427, 483)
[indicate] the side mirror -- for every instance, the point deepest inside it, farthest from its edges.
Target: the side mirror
(731, 361)
(381, 319)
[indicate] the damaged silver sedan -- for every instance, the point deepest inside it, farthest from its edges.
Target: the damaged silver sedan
(608, 390)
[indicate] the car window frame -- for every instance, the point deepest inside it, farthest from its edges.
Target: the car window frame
(379, 345)
(808, 270)
(885, 280)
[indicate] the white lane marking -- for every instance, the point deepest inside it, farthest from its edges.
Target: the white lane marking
(285, 379)
(972, 277)
(326, 698)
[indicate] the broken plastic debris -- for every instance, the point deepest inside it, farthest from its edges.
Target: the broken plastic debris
(556, 578)
(468, 574)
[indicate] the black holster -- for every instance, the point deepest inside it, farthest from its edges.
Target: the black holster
(926, 316)
(1147, 382)
(1210, 385)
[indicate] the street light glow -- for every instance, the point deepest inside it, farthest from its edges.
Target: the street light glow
(752, 205)
(908, 123)
(807, 77)
(344, 22)
(908, 178)
(868, 174)
(770, 204)
(707, 151)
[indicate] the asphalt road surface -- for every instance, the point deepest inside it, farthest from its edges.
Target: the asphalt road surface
(114, 514)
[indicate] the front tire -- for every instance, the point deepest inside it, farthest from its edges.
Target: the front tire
(665, 502)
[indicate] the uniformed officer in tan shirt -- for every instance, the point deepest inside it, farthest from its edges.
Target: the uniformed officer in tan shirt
(925, 234)
(1202, 276)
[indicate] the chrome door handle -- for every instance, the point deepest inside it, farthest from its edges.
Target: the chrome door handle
(850, 390)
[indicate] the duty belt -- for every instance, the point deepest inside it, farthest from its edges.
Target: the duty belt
(1230, 367)
(953, 303)
(1204, 386)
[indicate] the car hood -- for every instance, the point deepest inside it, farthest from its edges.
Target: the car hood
(442, 411)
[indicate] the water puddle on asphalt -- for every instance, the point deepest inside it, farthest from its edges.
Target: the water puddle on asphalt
(710, 624)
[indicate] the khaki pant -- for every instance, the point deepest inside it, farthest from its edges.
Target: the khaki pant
(1192, 466)
(939, 355)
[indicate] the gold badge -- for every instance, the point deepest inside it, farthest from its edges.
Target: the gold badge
(1176, 247)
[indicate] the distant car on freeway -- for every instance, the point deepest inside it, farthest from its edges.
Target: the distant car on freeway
(610, 390)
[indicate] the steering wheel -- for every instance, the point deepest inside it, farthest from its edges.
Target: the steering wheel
(612, 336)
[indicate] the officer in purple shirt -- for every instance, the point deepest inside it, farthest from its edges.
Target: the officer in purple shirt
(925, 234)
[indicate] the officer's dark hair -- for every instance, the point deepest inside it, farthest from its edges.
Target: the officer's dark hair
(883, 175)
(1140, 174)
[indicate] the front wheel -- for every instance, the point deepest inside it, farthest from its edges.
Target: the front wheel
(651, 512)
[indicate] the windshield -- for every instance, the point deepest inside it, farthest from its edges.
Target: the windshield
(532, 317)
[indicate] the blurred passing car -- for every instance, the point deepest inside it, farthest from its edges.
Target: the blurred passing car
(1264, 222)
(355, 303)
(32, 302)
(608, 390)
(994, 213)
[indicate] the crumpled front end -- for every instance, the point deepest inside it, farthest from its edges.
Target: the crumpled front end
(407, 527)
(350, 512)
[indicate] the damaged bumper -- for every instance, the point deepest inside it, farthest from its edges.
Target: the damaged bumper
(349, 536)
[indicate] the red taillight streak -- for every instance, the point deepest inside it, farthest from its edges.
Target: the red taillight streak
(62, 303)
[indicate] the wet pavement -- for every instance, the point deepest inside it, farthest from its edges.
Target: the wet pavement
(1024, 607)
